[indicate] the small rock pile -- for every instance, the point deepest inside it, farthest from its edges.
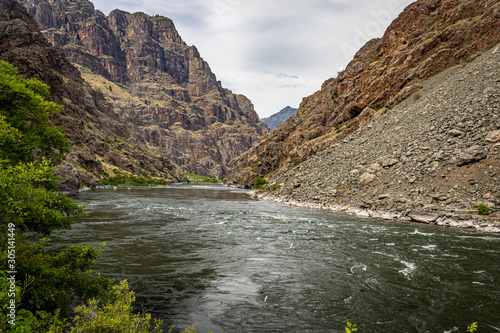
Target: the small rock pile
(431, 159)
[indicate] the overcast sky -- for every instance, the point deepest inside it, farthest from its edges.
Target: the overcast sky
(275, 52)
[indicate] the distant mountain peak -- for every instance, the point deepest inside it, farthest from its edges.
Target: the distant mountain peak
(279, 118)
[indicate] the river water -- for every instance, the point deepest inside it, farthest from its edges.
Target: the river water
(212, 255)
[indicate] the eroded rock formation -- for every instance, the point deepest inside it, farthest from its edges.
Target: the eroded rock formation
(88, 118)
(157, 85)
(427, 38)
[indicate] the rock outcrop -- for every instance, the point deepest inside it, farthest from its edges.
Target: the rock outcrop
(427, 38)
(88, 119)
(409, 163)
(157, 85)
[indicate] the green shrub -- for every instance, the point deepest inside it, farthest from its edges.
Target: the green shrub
(296, 161)
(259, 182)
(24, 116)
(194, 178)
(113, 317)
(337, 128)
(275, 187)
(417, 96)
(482, 209)
(378, 106)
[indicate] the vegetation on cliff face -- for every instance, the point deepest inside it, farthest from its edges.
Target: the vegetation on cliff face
(428, 37)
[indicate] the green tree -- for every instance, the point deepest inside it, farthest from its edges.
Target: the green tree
(24, 107)
(54, 283)
(28, 198)
(259, 182)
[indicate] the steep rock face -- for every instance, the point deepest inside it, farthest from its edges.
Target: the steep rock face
(279, 118)
(430, 159)
(155, 82)
(88, 119)
(428, 37)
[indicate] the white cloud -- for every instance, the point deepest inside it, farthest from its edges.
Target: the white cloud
(273, 51)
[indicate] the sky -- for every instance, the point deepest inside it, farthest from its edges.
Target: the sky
(275, 52)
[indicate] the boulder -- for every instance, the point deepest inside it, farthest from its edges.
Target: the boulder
(366, 178)
(470, 156)
(388, 162)
(493, 137)
(423, 216)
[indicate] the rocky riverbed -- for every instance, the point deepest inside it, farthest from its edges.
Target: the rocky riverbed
(431, 159)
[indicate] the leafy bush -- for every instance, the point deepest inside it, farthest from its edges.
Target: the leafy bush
(259, 182)
(28, 198)
(117, 316)
(296, 161)
(472, 328)
(25, 113)
(61, 279)
(201, 179)
(54, 283)
(482, 209)
(378, 106)
(275, 187)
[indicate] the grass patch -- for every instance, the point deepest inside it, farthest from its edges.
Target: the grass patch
(296, 161)
(133, 181)
(378, 106)
(193, 178)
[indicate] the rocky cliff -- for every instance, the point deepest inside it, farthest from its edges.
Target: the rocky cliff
(279, 118)
(156, 84)
(88, 118)
(432, 159)
(428, 37)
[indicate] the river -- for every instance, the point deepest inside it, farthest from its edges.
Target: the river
(214, 256)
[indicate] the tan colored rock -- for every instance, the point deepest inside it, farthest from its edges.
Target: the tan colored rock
(366, 178)
(388, 162)
(423, 216)
(493, 137)
(471, 155)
